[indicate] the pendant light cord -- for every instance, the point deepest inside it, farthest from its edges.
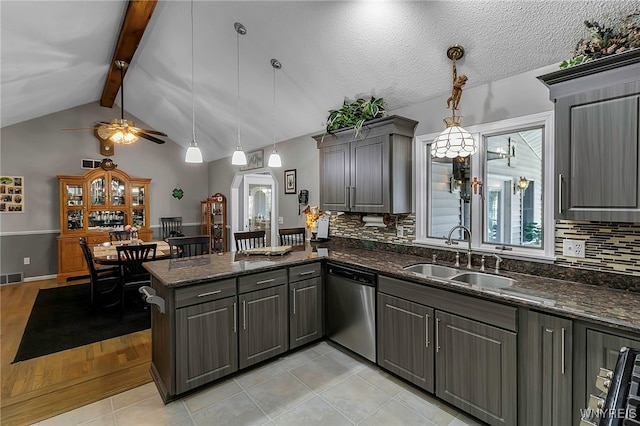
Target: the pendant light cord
(274, 108)
(193, 102)
(238, 70)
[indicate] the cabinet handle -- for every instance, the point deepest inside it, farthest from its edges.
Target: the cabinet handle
(352, 197)
(562, 349)
(306, 273)
(293, 290)
(560, 193)
(270, 280)
(244, 315)
(235, 318)
(437, 335)
(347, 194)
(209, 293)
(426, 320)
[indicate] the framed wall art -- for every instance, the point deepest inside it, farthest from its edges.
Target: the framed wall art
(255, 160)
(11, 194)
(290, 181)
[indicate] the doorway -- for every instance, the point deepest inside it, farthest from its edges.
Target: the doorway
(254, 205)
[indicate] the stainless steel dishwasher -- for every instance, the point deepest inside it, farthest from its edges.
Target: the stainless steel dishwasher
(351, 309)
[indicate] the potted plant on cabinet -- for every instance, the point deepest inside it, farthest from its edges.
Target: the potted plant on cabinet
(355, 114)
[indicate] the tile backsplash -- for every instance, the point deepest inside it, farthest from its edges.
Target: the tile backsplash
(609, 247)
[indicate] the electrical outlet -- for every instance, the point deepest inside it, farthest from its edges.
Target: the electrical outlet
(27, 261)
(573, 248)
(400, 231)
(280, 220)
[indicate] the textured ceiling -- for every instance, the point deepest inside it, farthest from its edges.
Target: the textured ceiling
(55, 55)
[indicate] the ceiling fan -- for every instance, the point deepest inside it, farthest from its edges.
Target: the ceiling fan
(120, 130)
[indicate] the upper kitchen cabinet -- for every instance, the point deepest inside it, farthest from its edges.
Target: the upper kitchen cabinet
(370, 172)
(597, 139)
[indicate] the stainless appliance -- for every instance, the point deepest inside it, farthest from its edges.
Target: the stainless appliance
(619, 403)
(351, 309)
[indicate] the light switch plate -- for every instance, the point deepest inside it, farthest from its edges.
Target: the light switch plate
(573, 248)
(400, 231)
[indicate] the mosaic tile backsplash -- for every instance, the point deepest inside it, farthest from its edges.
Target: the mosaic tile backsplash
(609, 248)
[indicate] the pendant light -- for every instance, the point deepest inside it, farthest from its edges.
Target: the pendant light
(454, 141)
(193, 155)
(274, 158)
(239, 158)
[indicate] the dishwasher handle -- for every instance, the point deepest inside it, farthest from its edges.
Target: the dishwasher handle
(361, 277)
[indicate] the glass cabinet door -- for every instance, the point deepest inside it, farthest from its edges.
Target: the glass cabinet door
(138, 216)
(137, 195)
(117, 192)
(98, 191)
(106, 220)
(75, 219)
(74, 194)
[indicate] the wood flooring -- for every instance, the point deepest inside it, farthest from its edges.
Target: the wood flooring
(40, 388)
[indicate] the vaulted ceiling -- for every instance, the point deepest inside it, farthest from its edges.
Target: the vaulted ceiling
(58, 54)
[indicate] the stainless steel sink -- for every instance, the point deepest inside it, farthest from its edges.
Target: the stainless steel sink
(431, 270)
(483, 280)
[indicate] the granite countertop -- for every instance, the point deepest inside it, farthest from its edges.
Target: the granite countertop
(603, 305)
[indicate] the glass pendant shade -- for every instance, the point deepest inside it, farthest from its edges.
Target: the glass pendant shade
(239, 158)
(454, 141)
(194, 155)
(274, 159)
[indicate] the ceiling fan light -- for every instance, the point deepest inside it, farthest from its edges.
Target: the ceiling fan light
(239, 158)
(193, 155)
(274, 159)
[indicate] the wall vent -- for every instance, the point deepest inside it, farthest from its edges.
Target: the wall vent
(15, 277)
(87, 163)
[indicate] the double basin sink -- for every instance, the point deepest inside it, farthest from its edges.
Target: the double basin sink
(457, 276)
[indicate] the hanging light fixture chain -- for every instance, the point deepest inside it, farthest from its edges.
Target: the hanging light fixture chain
(238, 70)
(193, 101)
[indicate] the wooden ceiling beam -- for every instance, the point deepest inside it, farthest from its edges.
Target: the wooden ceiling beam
(134, 24)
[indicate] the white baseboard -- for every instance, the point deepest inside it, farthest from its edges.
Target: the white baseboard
(41, 277)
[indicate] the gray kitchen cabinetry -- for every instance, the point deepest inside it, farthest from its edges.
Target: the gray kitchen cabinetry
(305, 300)
(405, 340)
(263, 316)
(597, 139)
(370, 173)
(545, 369)
(474, 344)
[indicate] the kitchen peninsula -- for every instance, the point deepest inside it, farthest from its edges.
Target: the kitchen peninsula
(226, 312)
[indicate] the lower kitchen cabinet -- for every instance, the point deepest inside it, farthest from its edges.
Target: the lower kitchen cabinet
(206, 343)
(476, 368)
(405, 340)
(263, 318)
(305, 312)
(545, 369)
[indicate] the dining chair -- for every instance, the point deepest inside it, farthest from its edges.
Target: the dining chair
(292, 236)
(184, 247)
(119, 235)
(171, 227)
(250, 239)
(132, 274)
(103, 282)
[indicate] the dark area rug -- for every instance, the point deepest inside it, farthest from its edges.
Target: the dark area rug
(61, 319)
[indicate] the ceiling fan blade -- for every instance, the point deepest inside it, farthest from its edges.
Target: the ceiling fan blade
(148, 137)
(153, 132)
(82, 128)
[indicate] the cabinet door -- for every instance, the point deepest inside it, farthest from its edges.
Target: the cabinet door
(545, 387)
(305, 313)
(370, 175)
(263, 324)
(334, 178)
(476, 368)
(405, 340)
(206, 343)
(598, 143)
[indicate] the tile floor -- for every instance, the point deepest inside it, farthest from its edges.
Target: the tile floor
(319, 385)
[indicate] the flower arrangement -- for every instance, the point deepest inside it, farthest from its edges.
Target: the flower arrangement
(132, 228)
(605, 40)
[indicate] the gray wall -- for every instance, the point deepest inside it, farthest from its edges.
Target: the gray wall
(39, 150)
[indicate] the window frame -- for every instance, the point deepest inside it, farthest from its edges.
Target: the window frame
(422, 185)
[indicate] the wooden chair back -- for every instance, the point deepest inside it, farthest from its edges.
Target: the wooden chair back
(171, 227)
(183, 247)
(131, 258)
(119, 236)
(250, 239)
(292, 236)
(103, 287)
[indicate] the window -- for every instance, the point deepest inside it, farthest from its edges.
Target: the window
(503, 193)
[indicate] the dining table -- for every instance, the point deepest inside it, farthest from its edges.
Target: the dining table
(107, 254)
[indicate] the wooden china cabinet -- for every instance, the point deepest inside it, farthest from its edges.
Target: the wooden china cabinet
(93, 204)
(214, 221)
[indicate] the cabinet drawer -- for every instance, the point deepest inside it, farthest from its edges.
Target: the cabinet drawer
(262, 280)
(206, 292)
(97, 239)
(302, 272)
